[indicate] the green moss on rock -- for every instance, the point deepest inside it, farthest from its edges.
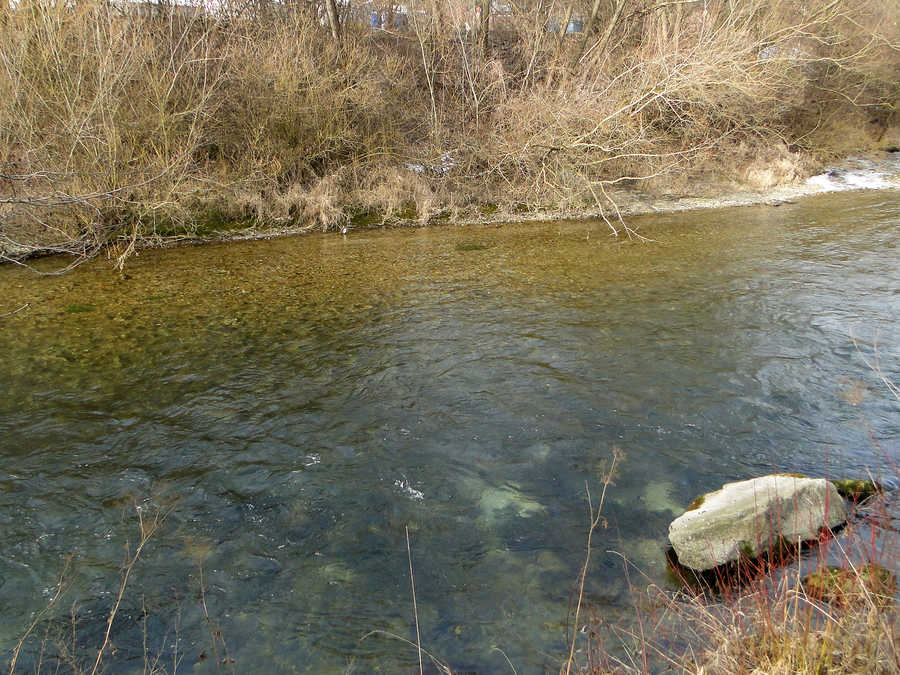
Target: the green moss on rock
(366, 218)
(856, 489)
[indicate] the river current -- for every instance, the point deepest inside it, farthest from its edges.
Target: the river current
(295, 405)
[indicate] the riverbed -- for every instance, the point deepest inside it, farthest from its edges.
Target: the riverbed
(294, 406)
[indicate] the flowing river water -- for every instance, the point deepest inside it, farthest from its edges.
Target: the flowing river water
(294, 405)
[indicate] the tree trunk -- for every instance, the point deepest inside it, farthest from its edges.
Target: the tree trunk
(565, 23)
(334, 22)
(618, 6)
(485, 26)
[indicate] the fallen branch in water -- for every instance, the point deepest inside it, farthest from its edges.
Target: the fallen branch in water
(16, 311)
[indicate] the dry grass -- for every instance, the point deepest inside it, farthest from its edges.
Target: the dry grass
(58, 647)
(117, 126)
(795, 632)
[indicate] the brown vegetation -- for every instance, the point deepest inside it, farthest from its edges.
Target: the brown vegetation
(123, 123)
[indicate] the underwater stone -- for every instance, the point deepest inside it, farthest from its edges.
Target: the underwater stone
(657, 496)
(494, 501)
(748, 518)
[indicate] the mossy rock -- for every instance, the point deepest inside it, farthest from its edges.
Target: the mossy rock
(407, 211)
(214, 220)
(747, 519)
(792, 475)
(856, 489)
(733, 575)
(366, 218)
(841, 586)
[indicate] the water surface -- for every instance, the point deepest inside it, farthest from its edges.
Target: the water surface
(296, 404)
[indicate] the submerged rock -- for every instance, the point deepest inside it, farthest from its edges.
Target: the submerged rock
(495, 501)
(751, 517)
(657, 496)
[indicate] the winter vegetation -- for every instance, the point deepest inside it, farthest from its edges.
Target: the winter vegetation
(123, 124)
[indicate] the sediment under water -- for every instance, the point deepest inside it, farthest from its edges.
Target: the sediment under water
(296, 404)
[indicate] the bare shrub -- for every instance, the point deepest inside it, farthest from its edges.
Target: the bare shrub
(120, 125)
(117, 124)
(665, 87)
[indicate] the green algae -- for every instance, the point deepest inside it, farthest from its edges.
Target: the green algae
(856, 489)
(466, 246)
(77, 308)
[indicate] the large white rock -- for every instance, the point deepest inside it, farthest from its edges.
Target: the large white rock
(749, 517)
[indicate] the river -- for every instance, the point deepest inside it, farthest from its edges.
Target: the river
(294, 405)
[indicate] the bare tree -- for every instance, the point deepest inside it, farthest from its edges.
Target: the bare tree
(485, 27)
(334, 20)
(617, 8)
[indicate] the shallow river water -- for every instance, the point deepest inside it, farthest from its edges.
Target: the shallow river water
(294, 405)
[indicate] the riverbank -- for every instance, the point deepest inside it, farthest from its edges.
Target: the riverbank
(827, 607)
(867, 171)
(200, 124)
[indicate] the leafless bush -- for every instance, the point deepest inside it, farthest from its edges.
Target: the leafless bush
(118, 125)
(661, 87)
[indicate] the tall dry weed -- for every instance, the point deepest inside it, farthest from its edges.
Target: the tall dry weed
(674, 86)
(118, 124)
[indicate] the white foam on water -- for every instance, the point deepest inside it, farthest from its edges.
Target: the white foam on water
(850, 179)
(408, 489)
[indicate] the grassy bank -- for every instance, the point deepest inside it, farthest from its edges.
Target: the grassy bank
(122, 123)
